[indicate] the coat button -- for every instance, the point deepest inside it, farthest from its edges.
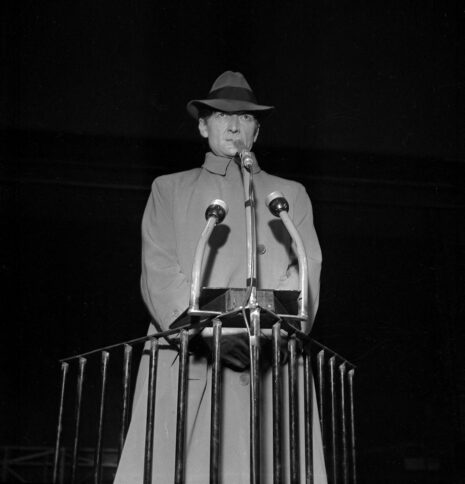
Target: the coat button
(261, 249)
(244, 379)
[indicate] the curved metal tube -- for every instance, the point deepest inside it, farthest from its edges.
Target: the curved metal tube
(278, 206)
(302, 259)
(214, 214)
(197, 265)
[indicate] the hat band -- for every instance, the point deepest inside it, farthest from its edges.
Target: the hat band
(233, 93)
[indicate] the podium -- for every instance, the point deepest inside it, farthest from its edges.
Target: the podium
(331, 387)
(226, 302)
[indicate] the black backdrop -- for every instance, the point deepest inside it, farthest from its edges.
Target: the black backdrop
(369, 117)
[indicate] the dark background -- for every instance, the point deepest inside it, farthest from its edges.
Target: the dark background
(370, 117)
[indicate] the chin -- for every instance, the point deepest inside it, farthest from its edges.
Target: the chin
(230, 153)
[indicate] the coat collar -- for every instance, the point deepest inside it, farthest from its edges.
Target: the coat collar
(220, 164)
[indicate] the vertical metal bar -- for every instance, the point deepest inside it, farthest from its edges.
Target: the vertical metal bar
(98, 449)
(293, 413)
(321, 391)
(215, 428)
(77, 418)
(352, 425)
(255, 396)
(277, 405)
(127, 366)
(182, 409)
(345, 468)
(332, 363)
(150, 423)
(64, 372)
(308, 403)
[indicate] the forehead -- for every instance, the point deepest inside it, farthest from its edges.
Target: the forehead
(225, 116)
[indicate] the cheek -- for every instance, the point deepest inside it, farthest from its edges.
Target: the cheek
(218, 135)
(250, 134)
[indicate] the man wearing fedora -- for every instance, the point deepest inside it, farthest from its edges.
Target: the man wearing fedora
(171, 227)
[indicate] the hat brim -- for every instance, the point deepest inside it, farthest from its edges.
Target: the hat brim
(226, 105)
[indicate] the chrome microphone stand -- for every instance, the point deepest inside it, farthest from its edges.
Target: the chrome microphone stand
(251, 304)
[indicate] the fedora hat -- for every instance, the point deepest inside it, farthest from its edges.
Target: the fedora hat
(229, 93)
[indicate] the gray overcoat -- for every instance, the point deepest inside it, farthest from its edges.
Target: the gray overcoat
(171, 227)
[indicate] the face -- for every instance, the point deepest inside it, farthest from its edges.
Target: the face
(223, 129)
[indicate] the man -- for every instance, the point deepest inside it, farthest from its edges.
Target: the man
(171, 227)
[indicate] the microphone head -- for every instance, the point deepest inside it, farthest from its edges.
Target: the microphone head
(246, 156)
(276, 203)
(217, 209)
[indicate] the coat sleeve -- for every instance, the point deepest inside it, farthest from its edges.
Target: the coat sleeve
(303, 219)
(165, 289)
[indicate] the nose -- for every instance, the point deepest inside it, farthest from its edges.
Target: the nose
(233, 126)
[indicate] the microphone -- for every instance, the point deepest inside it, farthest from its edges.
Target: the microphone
(245, 155)
(276, 202)
(214, 214)
(217, 209)
(279, 207)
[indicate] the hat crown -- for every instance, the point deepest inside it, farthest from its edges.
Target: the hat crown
(230, 79)
(229, 93)
(233, 86)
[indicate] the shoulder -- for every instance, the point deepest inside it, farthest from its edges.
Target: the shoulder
(173, 180)
(290, 188)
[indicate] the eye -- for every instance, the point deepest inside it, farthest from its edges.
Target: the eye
(246, 117)
(220, 114)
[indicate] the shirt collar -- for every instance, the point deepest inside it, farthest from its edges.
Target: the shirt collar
(220, 164)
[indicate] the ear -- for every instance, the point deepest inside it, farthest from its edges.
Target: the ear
(203, 128)
(257, 130)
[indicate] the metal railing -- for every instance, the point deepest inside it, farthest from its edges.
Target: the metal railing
(326, 372)
(35, 464)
